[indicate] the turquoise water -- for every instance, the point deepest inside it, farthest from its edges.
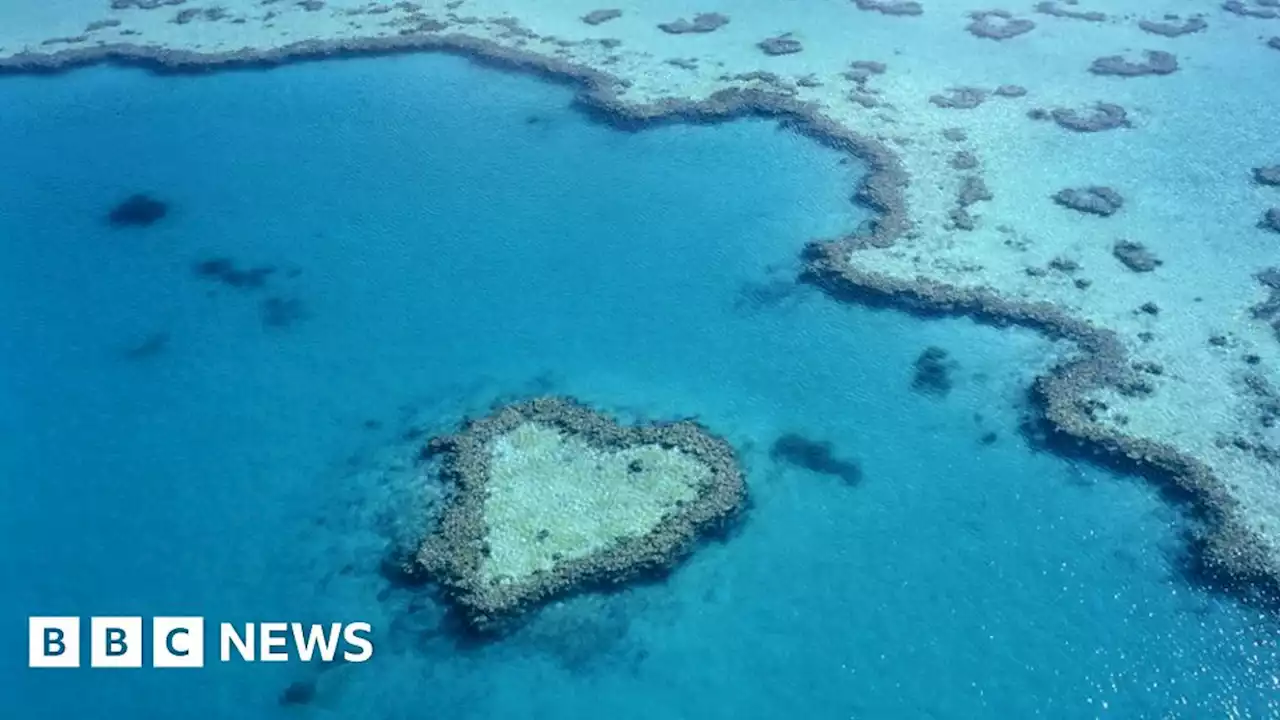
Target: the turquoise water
(450, 236)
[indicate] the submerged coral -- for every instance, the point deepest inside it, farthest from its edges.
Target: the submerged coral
(1094, 199)
(933, 372)
(702, 23)
(1158, 62)
(138, 210)
(998, 25)
(597, 17)
(815, 456)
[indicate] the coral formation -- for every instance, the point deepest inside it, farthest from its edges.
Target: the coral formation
(1010, 91)
(1135, 256)
(1267, 175)
(702, 23)
(1094, 199)
(1170, 27)
(1229, 547)
(1271, 220)
(1051, 8)
(997, 25)
(960, 98)
(780, 45)
(143, 4)
(1158, 62)
(597, 17)
(891, 7)
(1102, 116)
(1265, 9)
(552, 497)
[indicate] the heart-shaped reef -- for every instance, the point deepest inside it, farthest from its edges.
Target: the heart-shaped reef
(551, 497)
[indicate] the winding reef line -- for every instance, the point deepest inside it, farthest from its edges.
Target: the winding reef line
(1225, 556)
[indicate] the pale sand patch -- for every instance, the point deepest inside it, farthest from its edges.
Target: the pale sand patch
(553, 498)
(1182, 166)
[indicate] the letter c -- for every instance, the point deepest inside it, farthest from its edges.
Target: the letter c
(168, 642)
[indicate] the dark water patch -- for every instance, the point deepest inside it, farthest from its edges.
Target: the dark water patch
(149, 347)
(299, 692)
(137, 210)
(283, 312)
(933, 372)
(224, 270)
(816, 456)
(754, 295)
(583, 634)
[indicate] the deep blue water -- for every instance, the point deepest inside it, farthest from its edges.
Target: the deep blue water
(451, 236)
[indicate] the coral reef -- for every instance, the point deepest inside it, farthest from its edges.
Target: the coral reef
(1102, 116)
(1171, 27)
(139, 210)
(814, 456)
(1051, 8)
(1264, 9)
(1271, 220)
(780, 45)
(891, 7)
(143, 4)
(997, 25)
(1227, 548)
(597, 17)
(552, 497)
(702, 23)
(1094, 199)
(960, 98)
(1135, 256)
(1267, 175)
(1158, 62)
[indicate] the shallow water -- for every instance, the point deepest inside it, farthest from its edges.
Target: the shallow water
(450, 236)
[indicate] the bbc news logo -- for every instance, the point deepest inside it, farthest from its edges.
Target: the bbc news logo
(178, 642)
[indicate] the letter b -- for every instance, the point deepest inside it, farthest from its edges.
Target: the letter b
(53, 642)
(116, 642)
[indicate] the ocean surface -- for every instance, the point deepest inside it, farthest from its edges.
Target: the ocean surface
(435, 237)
